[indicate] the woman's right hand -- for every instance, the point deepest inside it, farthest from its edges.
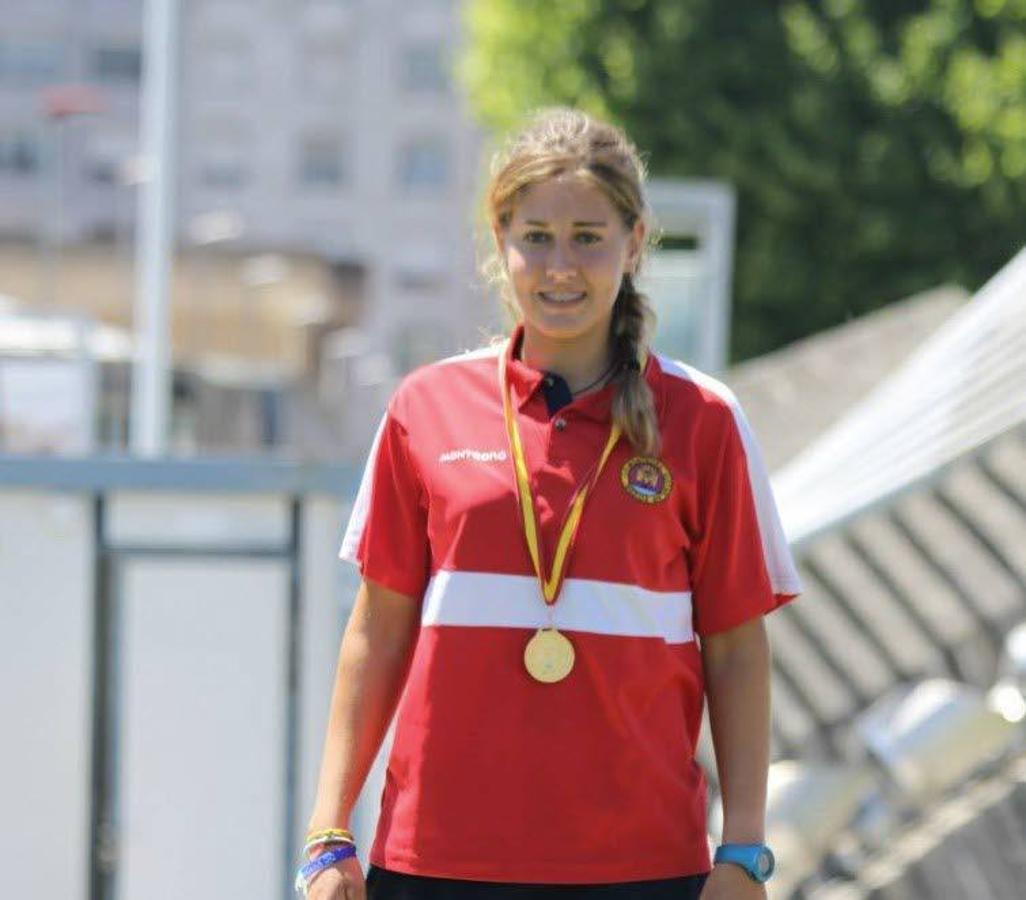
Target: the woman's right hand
(342, 881)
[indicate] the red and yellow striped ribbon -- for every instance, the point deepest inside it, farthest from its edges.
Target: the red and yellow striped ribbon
(552, 585)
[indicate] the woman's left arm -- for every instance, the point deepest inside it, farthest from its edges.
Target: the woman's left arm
(737, 684)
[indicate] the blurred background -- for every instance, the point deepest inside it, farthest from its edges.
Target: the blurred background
(229, 227)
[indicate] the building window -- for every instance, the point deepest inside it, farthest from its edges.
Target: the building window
(226, 61)
(424, 164)
(108, 158)
(224, 147)
(423, 281)
(321, 162)
(325, 64)
(424, 68)
(19, 154)
(117, 65)
(223, 171)
(101, 171)
(29, 64)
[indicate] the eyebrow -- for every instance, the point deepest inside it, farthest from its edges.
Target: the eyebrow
(575, 224)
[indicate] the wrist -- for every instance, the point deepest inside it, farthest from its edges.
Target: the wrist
(750, 829)
(321, 841)
(755, 859)
(744, 836)
(326, 822)
(313, 867)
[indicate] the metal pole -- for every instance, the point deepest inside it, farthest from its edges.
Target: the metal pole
(151, 383)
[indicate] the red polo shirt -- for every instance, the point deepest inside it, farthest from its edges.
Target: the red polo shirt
(492, 775)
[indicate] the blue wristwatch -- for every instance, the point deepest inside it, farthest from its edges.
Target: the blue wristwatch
(756, 859)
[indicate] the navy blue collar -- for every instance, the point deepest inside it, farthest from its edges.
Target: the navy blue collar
(556, 391)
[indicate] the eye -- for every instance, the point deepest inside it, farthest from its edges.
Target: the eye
(587, 237)
(536, 237)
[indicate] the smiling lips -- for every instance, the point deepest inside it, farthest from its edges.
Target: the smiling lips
(561, 297)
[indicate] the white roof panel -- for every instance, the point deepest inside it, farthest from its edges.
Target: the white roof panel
(964, 387)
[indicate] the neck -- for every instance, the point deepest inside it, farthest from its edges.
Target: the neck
(579, 362)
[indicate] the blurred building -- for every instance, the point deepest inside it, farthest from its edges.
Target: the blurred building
(324, 128)
(327, 196)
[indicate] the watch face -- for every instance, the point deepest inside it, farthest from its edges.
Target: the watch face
(765, 863)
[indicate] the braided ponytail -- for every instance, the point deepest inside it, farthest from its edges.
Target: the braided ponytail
(633, 404)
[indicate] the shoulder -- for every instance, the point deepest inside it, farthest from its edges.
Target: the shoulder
(692, 391)
(702, 408)
(446, 379)
(482, 358)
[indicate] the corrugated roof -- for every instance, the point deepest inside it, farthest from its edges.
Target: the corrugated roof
(964, 387)
(793, 395)
(908, 517)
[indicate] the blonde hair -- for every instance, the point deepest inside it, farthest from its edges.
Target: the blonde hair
(566, 141)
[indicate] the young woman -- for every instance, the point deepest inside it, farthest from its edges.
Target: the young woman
(567, 544)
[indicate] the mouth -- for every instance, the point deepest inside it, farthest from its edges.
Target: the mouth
(562, 298)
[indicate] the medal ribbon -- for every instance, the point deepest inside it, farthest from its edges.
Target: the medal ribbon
(554, 583)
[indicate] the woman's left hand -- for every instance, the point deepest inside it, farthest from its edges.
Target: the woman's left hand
(730, 882)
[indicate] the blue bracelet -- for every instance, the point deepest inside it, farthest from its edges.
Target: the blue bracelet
(322, 862)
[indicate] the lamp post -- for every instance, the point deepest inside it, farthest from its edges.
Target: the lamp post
(151, 382)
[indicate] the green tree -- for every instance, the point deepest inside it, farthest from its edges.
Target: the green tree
(878, 146)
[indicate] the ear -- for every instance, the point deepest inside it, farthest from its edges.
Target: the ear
(635, 243)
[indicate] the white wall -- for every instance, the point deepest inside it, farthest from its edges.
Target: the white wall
(46, 582)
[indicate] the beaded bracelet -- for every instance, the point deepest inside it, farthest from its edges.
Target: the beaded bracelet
(306, 872)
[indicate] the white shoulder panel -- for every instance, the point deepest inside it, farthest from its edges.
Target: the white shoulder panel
(479, 353)
(777, 553)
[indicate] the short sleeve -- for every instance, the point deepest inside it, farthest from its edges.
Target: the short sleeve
(387, 531)
(741, 564)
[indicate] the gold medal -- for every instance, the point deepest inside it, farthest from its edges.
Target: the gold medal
(549, 656)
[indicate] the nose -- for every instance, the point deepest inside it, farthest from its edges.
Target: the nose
(561, 263)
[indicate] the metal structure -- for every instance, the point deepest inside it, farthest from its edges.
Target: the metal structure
(178, 622)
(688, 276)
(908, 518)
(151, 382)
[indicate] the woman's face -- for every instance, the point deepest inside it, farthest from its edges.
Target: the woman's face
(567, 249)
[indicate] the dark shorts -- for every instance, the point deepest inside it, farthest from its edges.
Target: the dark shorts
(385, 885)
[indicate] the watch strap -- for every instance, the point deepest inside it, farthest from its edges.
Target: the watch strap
(756, 859)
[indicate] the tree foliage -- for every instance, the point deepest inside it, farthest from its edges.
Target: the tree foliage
(878, 146)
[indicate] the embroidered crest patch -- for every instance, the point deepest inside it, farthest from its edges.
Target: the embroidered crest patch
(646, 479)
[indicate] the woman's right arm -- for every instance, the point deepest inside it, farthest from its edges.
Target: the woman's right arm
(372, 664)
